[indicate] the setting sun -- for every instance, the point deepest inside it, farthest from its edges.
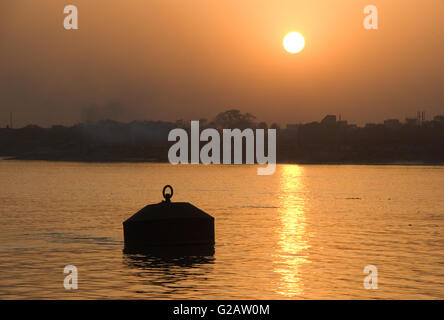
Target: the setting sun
(294, 42)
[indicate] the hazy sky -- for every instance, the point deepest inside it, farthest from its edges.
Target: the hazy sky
(172, 59)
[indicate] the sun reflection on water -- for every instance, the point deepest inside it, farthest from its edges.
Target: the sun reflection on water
(292, 235)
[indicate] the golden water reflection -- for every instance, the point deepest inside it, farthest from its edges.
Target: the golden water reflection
(292, 235)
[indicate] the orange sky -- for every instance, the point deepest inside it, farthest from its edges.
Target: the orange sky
(171, 59)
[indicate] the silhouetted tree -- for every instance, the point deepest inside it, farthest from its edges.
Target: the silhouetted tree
(234, 119)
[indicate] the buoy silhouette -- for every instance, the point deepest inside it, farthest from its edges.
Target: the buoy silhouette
(169, 227)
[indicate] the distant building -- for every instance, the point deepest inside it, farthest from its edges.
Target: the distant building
(411, 121)
(342, 123)
(371, 125)
(438, 118)
(392, 123)
(292, 127)
(262, 125)
(329, 119)
(420, 115)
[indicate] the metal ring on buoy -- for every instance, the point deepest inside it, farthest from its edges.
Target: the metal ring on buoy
(167, 196)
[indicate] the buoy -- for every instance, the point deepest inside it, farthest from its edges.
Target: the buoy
(167, 226)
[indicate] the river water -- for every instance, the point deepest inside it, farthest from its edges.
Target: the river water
(306, 232)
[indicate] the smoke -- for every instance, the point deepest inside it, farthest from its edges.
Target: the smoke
(112, 110)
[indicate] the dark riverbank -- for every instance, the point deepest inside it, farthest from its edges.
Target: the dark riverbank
(136, 160)
(327, 142)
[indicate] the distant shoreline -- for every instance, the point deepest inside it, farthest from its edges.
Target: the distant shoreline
(135, 160)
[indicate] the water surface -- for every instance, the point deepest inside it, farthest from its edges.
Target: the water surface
(305, 232)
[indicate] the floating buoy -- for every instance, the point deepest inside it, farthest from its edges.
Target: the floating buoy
(167, 226)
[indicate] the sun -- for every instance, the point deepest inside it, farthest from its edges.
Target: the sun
(294, 42)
